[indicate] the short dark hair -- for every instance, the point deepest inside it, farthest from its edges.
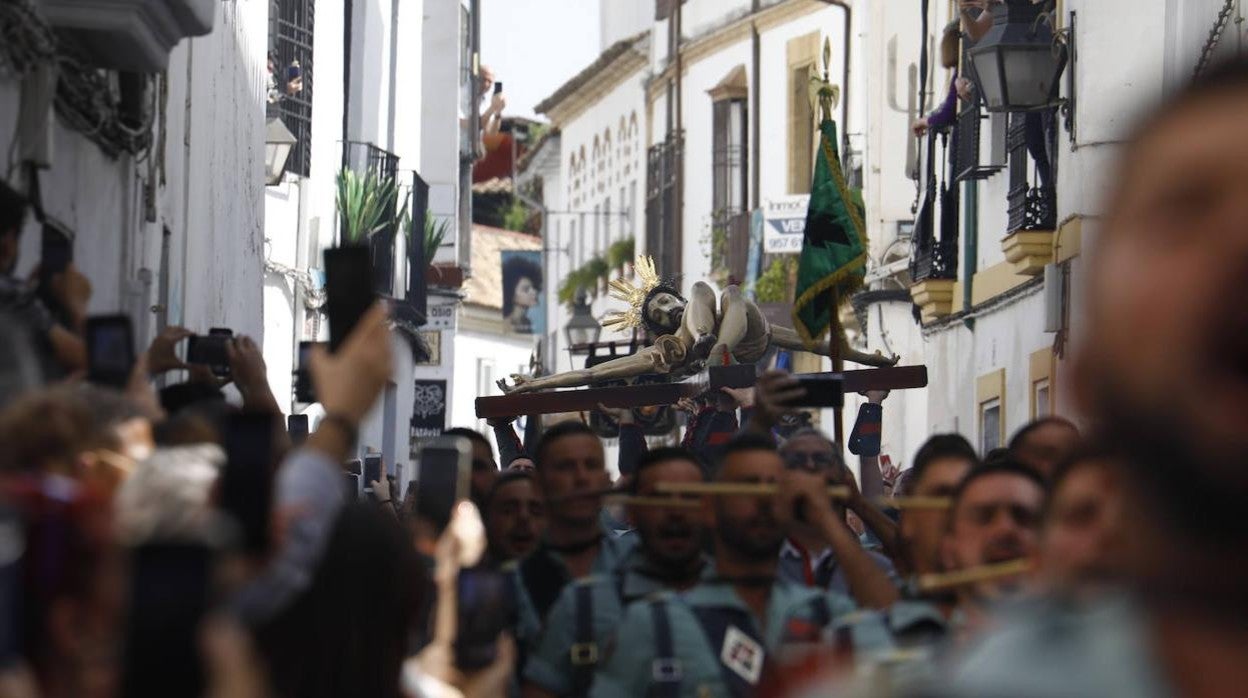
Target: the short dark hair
(1021, 435)
(746, 441)
(515, 268)
(471, 434)
(1000, 466)
(569, 427)
(940, 446)
(12, 209)
(663, 455)
(1085, 452)
(507, 477)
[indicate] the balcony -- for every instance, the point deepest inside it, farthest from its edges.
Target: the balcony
(663, 163)
(1032, 200)
(131, 35)
(290, 82)
(365, 160)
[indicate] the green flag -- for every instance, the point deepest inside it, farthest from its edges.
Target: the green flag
(834, 249)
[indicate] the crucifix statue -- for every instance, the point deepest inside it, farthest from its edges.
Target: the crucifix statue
(690, 333)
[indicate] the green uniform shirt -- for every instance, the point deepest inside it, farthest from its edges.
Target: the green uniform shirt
(630, 669)
(556, 656)
(529, 620)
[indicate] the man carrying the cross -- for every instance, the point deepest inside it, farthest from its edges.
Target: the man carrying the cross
(580, 625)
(722, 636)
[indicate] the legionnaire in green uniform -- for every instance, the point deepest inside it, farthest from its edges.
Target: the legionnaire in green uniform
(669, 557)
(722, 636)
(572, 473)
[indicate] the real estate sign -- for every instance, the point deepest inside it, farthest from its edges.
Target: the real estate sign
(784, 223)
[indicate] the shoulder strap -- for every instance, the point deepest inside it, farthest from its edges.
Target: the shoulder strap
(584, 651)
(543, 580)
(666, 672)
(715, 622)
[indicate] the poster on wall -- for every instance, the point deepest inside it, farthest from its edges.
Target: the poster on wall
(524, 304)
(428, 410)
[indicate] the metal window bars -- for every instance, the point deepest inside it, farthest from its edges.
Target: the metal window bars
(291, 76)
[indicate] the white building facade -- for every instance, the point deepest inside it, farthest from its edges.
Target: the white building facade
(150, 157)
(998, 328)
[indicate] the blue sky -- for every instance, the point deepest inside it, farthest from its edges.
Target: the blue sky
(534, 46)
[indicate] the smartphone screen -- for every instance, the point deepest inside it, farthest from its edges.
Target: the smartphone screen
(170, 585)
(442, 478)
(110, 350)
(498, 87)
(246, 485)
(348, 288)
(821, 392)
(372, 470)
(304, 391)
(209, 350)
(57, 251)
(297, 427)
(486, 607)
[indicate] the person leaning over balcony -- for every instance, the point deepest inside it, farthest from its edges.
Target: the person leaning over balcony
(959, 87)
(57, 332)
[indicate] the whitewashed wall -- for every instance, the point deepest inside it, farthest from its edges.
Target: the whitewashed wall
(212, 202)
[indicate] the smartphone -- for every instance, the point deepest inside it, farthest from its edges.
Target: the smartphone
(353, 466)
(57, 250)
(442, 478)
(297, 427)
(821, 391)
(170, 587)
(209, 350)
(372, 470)
(348, 289)
(486, 607)
(304, 391)
(110, 350)
(246, 483)
(352, 485)
(498, 86)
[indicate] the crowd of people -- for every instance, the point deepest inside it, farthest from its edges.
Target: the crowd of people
(139, 557)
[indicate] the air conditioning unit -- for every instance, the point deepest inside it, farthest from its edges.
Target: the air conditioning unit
(131, 35)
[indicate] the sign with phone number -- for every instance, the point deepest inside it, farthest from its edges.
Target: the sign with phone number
(785, 224)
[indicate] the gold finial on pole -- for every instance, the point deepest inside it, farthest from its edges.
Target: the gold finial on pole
(822, 90)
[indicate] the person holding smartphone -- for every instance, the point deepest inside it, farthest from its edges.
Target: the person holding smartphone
(59, 341)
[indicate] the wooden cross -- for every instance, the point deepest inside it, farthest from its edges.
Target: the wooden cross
(714, 378)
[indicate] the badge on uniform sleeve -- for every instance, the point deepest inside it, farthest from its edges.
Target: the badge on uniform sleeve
(742, 654)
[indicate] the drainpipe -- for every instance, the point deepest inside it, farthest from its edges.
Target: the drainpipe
(755, 108)
(970, 255)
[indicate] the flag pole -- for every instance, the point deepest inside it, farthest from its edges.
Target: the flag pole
(827, 96)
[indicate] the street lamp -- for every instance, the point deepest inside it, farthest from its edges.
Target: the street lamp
(582, 328)
(1017, 63)
(278, 142)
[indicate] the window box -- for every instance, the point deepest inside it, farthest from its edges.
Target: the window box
(133, 35)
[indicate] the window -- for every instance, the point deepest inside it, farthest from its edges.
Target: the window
(290, 84)
(802, 58)
(990, 396)
(573, 243)
(597, 240)
(606, 222)
(801, 130)
(1040, 375)
(1040, 398)
(729, 139)
(989, 425)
